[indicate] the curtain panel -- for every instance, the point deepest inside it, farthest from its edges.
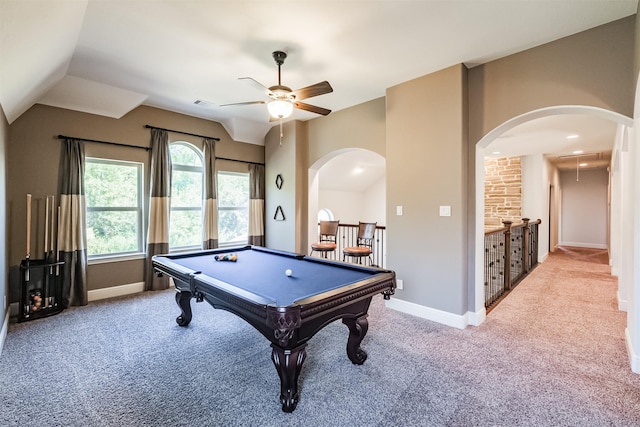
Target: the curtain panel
(159, 207)
(210, 216)
(72, 238)
(256, 205)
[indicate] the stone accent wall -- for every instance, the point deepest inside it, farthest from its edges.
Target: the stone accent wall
(502, 191)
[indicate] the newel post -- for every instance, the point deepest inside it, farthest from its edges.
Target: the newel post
(526, 261)
(507, 255)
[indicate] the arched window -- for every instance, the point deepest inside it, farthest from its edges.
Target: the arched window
(185, 229)
(325, 214)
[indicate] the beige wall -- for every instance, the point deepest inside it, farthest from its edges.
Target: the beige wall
(426, 169)
(588, 193)
(289, 159)
(361, 126)
(592, 68)
(421, 127)
(426, 121)
(34, 153)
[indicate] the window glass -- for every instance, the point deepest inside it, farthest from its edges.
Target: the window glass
(233, 208)
(325, 215)
(185, 231)
(113, 193)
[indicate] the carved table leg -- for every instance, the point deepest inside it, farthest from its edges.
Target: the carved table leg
(288, 363)
(357, 330)
(183, 298)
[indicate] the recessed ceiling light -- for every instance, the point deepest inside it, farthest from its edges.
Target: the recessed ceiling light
(574, 136)
(496, 152)
(578, 152)
(584, 164)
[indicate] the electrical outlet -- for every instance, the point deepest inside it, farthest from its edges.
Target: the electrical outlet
(399, 284)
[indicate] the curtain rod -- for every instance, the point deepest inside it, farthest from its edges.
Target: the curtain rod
(103, 142)
(241, 161)
(184, 133)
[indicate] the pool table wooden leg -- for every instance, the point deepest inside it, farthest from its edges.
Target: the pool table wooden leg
(357, 330)
(288, 363)
(183, 298)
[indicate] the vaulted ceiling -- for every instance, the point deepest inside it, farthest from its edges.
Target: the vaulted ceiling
(108, 57)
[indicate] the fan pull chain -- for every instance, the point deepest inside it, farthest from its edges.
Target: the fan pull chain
(281, 132)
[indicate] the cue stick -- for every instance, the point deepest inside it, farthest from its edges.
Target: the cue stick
(53, 223)
(45, 287)
(48, 242)
(46, 227)
(26, 272)
(56, 257)
(28, 226)
(51, 255)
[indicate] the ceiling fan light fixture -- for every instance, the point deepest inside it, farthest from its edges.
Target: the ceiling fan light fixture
(280, 109)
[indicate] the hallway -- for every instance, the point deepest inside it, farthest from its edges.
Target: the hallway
(565, 317)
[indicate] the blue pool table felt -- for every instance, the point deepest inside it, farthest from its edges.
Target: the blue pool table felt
(264, 274)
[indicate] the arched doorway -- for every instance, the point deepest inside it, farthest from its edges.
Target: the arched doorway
(483, 148)
(351, 184)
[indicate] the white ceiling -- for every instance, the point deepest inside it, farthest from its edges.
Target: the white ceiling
(107, 57)
(567, 140)
(355, 170)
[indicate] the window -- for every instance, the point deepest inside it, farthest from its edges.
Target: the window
(113, 192)
(233, 208)
(325, 214)
(185, 229)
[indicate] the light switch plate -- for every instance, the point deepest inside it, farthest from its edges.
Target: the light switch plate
(399, 210)
(445, 210)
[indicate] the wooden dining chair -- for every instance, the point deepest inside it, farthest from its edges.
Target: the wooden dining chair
(328, 238)
(364, 243)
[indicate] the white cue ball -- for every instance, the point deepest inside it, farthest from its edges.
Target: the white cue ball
(288, 272)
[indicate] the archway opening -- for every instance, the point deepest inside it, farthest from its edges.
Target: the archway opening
(349, 183)
(540, 153)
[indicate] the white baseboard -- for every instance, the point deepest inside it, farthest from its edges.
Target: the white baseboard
(634, 358)
(115, 291)
(585, 245)
(477, 318)
(3, 332)
(439, 316)
(622, 303)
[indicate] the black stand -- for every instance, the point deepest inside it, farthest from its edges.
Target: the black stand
(40, 289)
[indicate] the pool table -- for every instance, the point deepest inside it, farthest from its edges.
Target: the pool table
(287, 309)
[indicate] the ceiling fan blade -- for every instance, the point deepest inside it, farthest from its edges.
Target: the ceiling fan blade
(313, 90)
(243, 103)
(312, 108)
(257, 85)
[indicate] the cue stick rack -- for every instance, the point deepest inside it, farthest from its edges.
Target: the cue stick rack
(41, 284)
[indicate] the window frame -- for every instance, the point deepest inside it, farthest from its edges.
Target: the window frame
(232, 208)
(139, 209)
(187, 168)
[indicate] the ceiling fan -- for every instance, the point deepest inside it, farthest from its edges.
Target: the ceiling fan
(283, 99)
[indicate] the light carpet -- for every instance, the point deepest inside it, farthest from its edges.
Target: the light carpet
(550, 354)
